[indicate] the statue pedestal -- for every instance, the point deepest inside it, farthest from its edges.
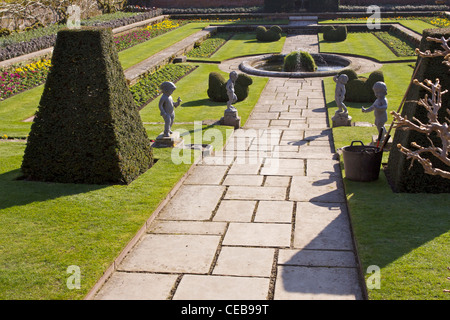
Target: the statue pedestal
(173, 140)
(341, 119)
(231, 118)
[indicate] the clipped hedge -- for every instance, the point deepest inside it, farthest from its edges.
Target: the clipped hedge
(359, 89)
(324, 5)
(334, 34)
(217, 87)
(264, 35)
(87, 128)
(413, 179)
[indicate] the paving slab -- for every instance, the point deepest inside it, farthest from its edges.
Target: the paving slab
(274, 211)
(188, 227)
(246, 167)
(206, 175)
(198, 287)
(316, 258)
(248, 262)
(277, 181)
(193, 202)
(137, 286)
(235, 210)
(217, 159)
(322, 226)
(316, 283)
(243, 180)
(258, 234)
(316, 189)
(172, 253)
(323, 167)
(255, 193)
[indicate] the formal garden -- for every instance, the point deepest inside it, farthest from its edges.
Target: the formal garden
(47, 226)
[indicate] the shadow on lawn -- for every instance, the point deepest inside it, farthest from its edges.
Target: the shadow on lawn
(15, 192)
(202, 103)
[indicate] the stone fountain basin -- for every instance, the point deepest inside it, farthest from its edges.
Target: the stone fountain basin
(250, 66)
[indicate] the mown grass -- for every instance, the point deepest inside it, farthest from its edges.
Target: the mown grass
(47, 227)
(142, 51)
(244, 44)
(361, 44)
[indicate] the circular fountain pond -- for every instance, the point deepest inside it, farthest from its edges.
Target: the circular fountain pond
(271, 65)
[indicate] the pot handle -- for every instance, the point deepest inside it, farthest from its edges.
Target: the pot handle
(357, 141)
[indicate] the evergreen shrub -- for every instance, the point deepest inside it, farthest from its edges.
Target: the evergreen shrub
(359, 89)
(87, 128)
(264, 35)
(335, 34)
(217, 87)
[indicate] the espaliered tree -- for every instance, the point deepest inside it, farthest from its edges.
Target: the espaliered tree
(420, 163)
(434, 125)
(87, 128)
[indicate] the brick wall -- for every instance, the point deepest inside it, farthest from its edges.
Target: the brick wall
(392, 2)
(205, 3)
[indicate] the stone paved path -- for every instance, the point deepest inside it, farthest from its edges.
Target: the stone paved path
(264, 219)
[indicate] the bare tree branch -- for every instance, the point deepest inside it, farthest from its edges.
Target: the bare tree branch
(432, 105)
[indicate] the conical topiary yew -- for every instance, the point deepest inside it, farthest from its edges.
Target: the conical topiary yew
(87, 128)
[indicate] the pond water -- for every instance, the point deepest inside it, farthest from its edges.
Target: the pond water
(278, 66)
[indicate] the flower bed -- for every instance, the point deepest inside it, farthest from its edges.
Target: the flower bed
(398, 46)
(21, 77)
(147, 88)
(208, 47)
(133, 38)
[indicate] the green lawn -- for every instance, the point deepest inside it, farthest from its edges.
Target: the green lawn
(361, 44)
(47, 227)
(417, 25)
(142, 51)
(244, 44)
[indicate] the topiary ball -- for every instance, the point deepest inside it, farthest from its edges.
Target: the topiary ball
(351, 74)
(331, 33)
(217, 90)
(264, 35)
(216, 87)
(374, 77)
